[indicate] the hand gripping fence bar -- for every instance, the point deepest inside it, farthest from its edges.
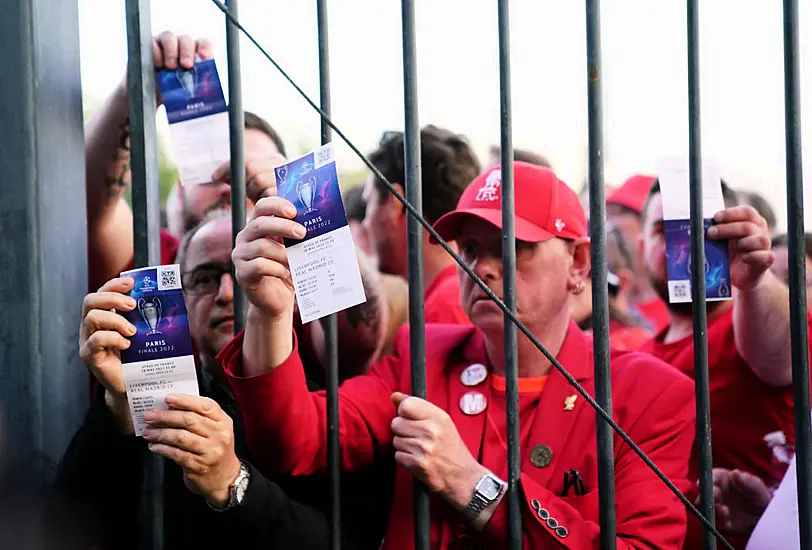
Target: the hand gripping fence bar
(488, 292)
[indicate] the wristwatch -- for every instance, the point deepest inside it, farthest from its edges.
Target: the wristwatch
(487, 490)
(236, 490)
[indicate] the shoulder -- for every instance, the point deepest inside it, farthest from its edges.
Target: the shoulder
(641, 374)
(441, 340)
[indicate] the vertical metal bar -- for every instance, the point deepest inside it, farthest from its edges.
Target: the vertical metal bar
(236, 124)
(797, 273)
(414, 194)
(329, 323)
(600, 286)
(146, 220)
(509, 281)
(703, 426)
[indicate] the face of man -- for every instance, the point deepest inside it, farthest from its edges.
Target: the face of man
(209, 288)
(542, 277)
(385, 228)
(200, 199)
(781, 270)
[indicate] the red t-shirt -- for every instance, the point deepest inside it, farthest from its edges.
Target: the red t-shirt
(626, 338)
(442, 299)
(743, 409)
(656, 313)
(169, 250)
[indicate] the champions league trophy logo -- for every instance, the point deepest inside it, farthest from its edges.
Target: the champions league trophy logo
(187, 78)
(306, 191)
(150, 310)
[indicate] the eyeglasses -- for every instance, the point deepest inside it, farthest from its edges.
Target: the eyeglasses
(205, 280)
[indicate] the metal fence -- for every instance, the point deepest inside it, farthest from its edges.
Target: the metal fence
(145, 206)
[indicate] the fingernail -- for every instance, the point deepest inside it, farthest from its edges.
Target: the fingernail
(718, 217)
(170, 399)
(290, 211)
(712, 232)
(299, 231)
(130, 302)
(149, 416)
(132, 330)
(145, 433)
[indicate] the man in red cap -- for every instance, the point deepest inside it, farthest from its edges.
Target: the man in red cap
(454, 442)
(624, 208)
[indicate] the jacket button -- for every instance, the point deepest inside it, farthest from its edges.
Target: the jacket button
(541, 456)
(535, 505)
(562, 532)
(552, 523)
(544, 515)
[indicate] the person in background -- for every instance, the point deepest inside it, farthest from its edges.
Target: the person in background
(624, 209)
(749, 358)
(521, 155)
(763, 207)
(102, 467)
(448, 166)
(781, 265)
(626, 332)
(395, 288)
(454, 441)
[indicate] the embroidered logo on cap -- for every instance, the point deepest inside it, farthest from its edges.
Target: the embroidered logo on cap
(559, 225)
(490, 189)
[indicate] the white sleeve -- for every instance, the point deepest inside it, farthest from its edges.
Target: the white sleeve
(778, 527)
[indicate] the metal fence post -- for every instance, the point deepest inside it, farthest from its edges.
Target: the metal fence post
(146, 220)
(701, 378)
(797, 273)
(329, 323)
(600, 285)
(236, 125)
(513, 497)
(414, 194)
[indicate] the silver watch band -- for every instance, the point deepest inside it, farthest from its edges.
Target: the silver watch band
(236, 492)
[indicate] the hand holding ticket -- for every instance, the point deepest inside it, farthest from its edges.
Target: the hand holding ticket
(159, 359)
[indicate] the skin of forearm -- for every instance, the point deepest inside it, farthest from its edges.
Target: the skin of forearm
(761, 323)
(107, 155)
(268, 342)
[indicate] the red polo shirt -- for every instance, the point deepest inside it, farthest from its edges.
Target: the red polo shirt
(442, 299)
(743, 408)
(169, 250)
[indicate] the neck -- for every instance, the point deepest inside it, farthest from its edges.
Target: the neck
(531, 362)
(642, 292)
(681, 324)
(435, 261)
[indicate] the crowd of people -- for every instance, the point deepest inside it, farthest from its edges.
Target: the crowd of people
(246, 460)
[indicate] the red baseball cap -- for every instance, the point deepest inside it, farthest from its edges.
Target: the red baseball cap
(633, 193)
(546, 207)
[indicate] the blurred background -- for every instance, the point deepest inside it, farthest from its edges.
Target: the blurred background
(644, 64)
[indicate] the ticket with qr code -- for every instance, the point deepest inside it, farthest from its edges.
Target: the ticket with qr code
(324, 266)
(160, 359)
(198, 119)
(674, 179)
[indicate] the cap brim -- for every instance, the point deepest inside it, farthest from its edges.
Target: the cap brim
(448, 225)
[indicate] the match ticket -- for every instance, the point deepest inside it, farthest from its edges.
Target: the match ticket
(160, 359)
(198, 120)
(675, 190)
(324, 266)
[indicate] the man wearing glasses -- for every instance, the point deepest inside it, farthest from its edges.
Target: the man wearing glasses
(102, 466)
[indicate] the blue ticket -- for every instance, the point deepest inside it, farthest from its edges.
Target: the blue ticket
(675, 189)
(324, 265)
(198, 119)
(160, 359)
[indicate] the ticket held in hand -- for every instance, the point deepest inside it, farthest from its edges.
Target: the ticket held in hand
(674, 179)
(160, 359)
(198, 119)
(323, 265)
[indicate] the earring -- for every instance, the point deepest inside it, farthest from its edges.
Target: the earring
(579, 288)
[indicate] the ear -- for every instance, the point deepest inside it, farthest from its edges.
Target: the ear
(626, 277)
(581, 262)
(392, 205)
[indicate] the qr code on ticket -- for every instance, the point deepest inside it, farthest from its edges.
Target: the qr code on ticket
(169, 277)
(323, 155)
(679, 291)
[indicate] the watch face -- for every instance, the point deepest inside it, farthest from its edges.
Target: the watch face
(489, 487)
(239, 490)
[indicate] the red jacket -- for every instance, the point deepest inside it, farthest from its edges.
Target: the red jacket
(286, 429)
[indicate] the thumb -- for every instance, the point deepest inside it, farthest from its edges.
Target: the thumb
(222, 173)
(398, 398)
